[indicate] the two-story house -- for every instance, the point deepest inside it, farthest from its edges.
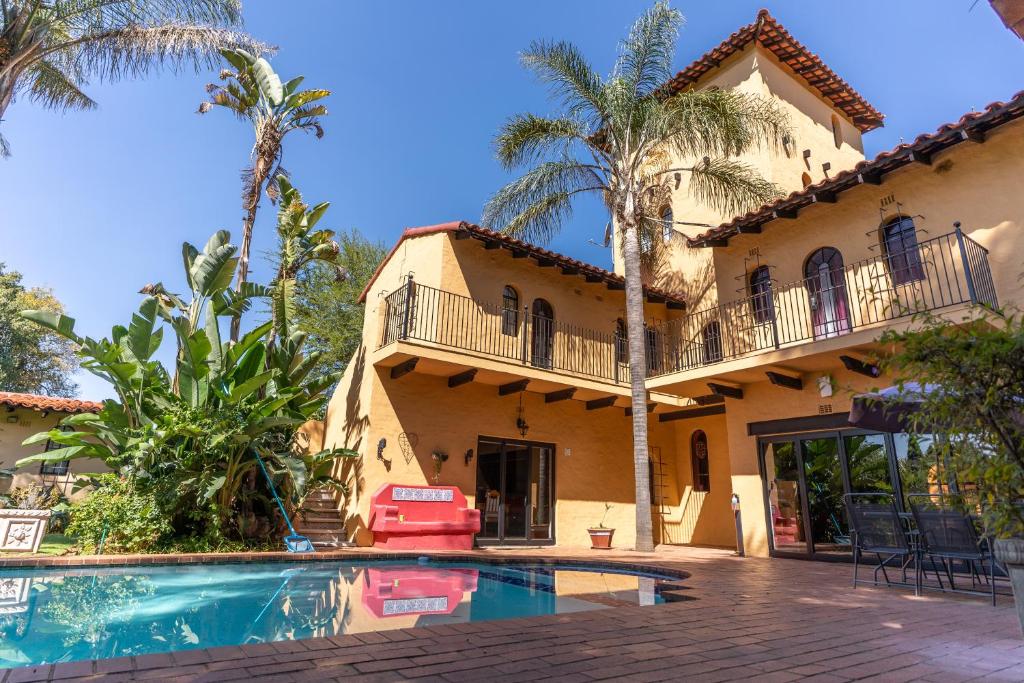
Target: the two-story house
(499, 367)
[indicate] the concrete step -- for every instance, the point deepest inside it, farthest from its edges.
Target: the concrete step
(334, 525)
(310, 517)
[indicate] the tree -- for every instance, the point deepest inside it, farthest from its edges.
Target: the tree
(621, 137)
(254, 92)
(972, 383)
(32, 360)
(328, 299)
(193, 433)
(49, 49)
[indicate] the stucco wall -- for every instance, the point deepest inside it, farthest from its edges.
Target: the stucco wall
(29, 422)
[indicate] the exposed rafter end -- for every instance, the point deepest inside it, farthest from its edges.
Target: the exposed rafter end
(860, 367)
(463, 234)
(570, 270)
(870, 178)
(825, 197)
(676, 306)
(786, 212)
(606, 402)
(519, 253)
(590, 277)
(616, 286)
(780, 380)
(491, 245)
(709, 399)
(725, 390)
(545, 262)
(717, 243)
(404, 368)
(749, 229)
(973, 134)
(562, 395)
(921, 158)
(462, 378)
(513, 387)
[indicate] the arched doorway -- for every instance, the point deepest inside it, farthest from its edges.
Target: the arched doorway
(543, 337)
(826, 289)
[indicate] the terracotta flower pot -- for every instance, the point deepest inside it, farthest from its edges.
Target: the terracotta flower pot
(1010, 551)
(601, 539)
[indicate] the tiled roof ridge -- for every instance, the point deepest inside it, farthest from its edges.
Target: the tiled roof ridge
(1014, 107)
(799, 58)
(52, 403)
(560, 259)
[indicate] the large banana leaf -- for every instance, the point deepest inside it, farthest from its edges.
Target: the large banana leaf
(141, 339)
(58, 322)
(269, 81)
(214, 268)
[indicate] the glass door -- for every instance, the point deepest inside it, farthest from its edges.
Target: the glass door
(785, 498)
(824, 489)
(514, 491)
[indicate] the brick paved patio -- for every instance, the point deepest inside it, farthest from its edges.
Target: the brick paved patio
(769, 620)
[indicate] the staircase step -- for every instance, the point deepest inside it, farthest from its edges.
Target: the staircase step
(310, 517)
(332, 525)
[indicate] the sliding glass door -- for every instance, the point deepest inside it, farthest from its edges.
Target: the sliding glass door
(515, 491)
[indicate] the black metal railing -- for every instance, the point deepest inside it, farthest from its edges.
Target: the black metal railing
(426, 314)
(948, 270)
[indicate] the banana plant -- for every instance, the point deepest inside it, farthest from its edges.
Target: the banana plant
(199, 426)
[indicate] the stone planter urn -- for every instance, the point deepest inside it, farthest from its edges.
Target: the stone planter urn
(22, 530)
(1010, 551)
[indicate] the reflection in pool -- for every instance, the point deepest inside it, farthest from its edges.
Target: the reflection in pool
(65, 615)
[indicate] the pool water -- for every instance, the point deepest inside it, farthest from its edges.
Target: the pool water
(49, 615)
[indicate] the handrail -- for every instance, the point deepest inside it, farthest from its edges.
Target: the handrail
(427, 314)
(944, 271)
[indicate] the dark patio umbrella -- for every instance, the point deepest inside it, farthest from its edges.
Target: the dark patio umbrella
(889, 409)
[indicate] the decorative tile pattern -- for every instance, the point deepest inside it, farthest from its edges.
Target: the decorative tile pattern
(415, 605)
(423, 495)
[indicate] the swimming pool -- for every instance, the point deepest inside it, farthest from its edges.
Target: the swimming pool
(60, 615)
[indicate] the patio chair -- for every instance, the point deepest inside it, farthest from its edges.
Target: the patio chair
(948, 534)
(878, 530)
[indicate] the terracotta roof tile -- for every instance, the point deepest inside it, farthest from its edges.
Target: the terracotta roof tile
(51, 403)
(532, 250)
(772, 36)
(971, 126)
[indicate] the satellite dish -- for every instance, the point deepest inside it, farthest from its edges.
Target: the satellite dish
(608, 234)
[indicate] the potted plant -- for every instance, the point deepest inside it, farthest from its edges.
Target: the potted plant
(972, 392)
(600, 535)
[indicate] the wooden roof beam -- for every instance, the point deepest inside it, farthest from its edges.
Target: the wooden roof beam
(404, 368)
(780, 380)
(725, 390)
(605, 402)
(870, 178)
(972, 134)
(749, 229)
(561, 395)
(825, 197)
(513, 387)
(789, 212)
(462, 378)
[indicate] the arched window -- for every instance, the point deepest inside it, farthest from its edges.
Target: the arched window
(825, 280)
(837, 131)
(899, 238)
(510, 311)
(543, 346)
(699, 461)
(761, 294)
(666, 224)
(711, 336)
(805, 179)
(621, 342)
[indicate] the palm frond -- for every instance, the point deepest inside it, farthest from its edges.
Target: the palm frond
(730, 186)
(57, 89)
(534, 206)
(526, 137)
(571, 79)
(645, 63)
(718, 122)
(132, 51)
(5, 149)
(127, 12)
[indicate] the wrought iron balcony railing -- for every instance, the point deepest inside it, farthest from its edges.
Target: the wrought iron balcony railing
(945, 271)
(425, 314)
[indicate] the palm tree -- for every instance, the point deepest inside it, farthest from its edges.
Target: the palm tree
(623, 137)
(254, 92)
(49, 49)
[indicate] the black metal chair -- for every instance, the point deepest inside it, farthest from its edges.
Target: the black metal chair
(948, 534)
(878, 530)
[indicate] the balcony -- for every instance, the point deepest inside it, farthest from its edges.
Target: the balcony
(430, 317)
(941, 273)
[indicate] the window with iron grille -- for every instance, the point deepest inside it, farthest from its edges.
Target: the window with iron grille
(621, 341)
(55, 469)
(761, 294)
(711, 336)
(899, 237)
(510, 311)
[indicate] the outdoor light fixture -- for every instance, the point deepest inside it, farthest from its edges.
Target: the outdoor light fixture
(381, 445)
(521, 424)
(469, 456)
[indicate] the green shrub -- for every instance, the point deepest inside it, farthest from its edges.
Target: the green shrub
(128, 513)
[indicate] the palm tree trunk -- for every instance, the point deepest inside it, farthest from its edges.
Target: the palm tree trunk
(254, 191)
(637, 375)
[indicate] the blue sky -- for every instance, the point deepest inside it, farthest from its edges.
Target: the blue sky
(96, 204)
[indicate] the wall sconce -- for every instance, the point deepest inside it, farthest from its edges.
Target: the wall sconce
(469, 456)
(381, 445)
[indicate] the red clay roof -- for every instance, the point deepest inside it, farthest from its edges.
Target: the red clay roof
(51, 403)
(570, 265)
(971, 126)
(772, 36)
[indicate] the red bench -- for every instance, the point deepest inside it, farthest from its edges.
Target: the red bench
(422, 518)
